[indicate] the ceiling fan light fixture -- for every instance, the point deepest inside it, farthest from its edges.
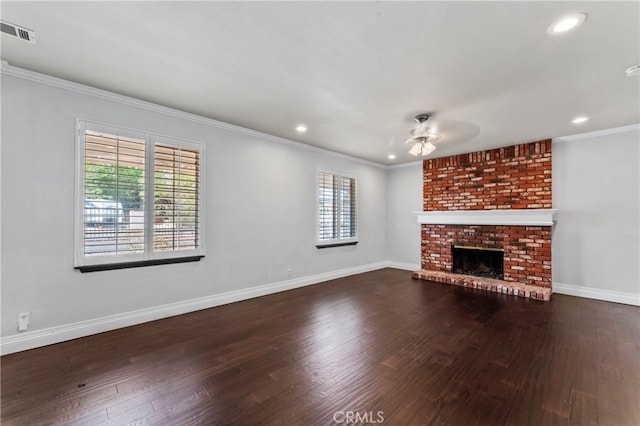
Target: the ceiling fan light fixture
(421, 137)
(429, 137)
(422, 147)
(416, 149)
(427, 148)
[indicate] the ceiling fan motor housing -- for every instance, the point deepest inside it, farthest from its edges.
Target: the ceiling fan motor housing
(421, 118)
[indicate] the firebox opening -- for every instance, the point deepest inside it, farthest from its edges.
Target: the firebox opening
(478, 261)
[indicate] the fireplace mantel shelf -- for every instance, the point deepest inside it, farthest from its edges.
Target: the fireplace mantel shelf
(524, 217)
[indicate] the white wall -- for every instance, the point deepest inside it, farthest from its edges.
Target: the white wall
(596, 187)
(260, 211)
(403, 231)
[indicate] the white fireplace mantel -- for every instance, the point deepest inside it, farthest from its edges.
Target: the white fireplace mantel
(524, 217)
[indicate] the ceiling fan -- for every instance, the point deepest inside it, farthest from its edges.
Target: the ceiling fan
(422, 136)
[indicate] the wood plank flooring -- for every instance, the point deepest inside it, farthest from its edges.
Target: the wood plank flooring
(373, 348)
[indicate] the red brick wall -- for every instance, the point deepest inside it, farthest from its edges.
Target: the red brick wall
(527, 249)
(515, 177)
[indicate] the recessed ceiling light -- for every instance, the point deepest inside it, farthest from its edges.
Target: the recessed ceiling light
(632, 71)
(391, 156)
(301, 128)
(579, 120)
(566, 23)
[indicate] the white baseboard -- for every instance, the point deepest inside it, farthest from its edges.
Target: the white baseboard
(37, 338)
(34, 339)
(596, 293)
(404, 266)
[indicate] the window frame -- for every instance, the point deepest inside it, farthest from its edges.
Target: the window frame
(149, 256)
(339, 241)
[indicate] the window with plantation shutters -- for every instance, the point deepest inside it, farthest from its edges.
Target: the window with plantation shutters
(337, 214)
(176, 200)
(138, 198)
(114, 170)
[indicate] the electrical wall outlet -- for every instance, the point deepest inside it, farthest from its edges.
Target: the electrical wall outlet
(289, 273)
(24, 318)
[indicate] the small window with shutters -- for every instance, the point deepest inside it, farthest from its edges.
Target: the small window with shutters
(337, 211)
(138, 198)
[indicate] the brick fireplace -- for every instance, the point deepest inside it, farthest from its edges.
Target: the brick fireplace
(496, 200)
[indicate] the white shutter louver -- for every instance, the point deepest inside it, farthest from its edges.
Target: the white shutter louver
(347, 207)
(176, 203)
(113, 188)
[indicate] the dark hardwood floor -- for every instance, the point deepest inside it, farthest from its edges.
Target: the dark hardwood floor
(369, 348)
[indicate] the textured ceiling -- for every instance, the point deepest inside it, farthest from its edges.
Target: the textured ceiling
(354, 72)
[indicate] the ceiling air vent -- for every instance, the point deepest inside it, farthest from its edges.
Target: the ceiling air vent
(18, 32)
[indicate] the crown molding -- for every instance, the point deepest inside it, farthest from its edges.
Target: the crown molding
(10, 70)
(409, 164)
(597, 133)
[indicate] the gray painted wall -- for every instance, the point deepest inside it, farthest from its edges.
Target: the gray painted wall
(405, 197)
(596, 187)
(260, 212)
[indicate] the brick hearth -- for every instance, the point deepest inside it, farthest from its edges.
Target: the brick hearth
(516, 177)
(487, 284)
